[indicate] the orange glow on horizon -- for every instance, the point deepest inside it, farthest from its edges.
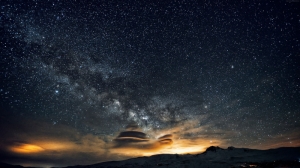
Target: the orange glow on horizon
(26, 148)
(186, 146)
(175, 146)
(172, 140)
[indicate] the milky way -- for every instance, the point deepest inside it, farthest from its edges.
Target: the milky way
(230, 72)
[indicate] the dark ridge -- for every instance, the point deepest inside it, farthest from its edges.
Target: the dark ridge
(281, 157)
(230, 148)
(5, 165)
(213, 148)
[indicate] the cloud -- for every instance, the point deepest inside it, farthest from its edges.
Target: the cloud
(62, 145)
(185, 137)
(133, 142)
(130, 137)
(19, 147)
(168, 136)
(135, 134)
(37, 142)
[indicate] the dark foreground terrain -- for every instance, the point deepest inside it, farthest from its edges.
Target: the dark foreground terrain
(213, 157)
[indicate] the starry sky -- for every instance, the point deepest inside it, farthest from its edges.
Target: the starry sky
(84, 82)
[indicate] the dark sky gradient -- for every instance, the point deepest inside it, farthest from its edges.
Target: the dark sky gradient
(91, 81)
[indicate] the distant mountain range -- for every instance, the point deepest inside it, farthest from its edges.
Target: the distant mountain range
(213, 157)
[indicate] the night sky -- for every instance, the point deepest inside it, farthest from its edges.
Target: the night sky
(83, 82)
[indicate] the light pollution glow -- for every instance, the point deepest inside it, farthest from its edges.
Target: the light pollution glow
(175, 144)
(68, 144)
(178, 146)
(26, 148)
